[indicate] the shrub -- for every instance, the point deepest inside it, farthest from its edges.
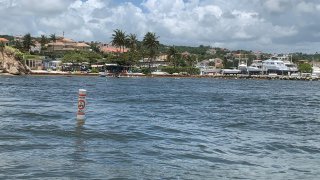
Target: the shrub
(18, 56)
(305, 68)
(10, 51)
(94, 71)
(146, 71)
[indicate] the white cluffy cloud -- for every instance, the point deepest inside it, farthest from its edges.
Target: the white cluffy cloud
(267, 25)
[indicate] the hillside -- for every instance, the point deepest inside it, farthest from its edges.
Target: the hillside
(10, 62)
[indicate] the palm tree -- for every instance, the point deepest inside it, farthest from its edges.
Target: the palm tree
(132, 42)
(172, 55)
(18, 45)
(151, 42)
(53, 38)
(43, 41)
(119, 39)
(27, 42)
(2, 47)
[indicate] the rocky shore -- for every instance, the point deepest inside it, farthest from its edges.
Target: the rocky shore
(11, 65)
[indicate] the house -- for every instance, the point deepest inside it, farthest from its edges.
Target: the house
(160, 60)
(185, 54)
(64, 44)
(206, 67)
(36, 47)
(4, 41)
(218, 63)
(82, 46)
(106, 48)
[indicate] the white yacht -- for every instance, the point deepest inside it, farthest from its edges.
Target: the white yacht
(255, 67)
(242, 66)
(242, 62)
(293, 68)
(274, 65)
(316, 71)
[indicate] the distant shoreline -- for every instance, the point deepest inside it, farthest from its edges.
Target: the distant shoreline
(239, 76)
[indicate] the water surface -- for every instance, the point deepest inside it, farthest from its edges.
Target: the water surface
(158, 128)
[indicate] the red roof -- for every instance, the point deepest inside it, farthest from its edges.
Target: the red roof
(109, 49)
(4, 40)
(82, 45)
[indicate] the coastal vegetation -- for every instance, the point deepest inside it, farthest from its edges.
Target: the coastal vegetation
(151, 42)
(11, 61)
(305, 68)
(2, 47)
(139, 55)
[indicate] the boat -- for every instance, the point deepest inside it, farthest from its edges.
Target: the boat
(293, 68)
(255, 67)
(275, 65)
(316, 70)
(102, 74)
(159, 73)
(243, 65)
(230, 71)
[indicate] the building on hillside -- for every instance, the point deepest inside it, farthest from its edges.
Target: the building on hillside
(64, 44)
(212, 51)
(36, 47)
(210, 67)
(18, 38)
(160, 60)
(218, 63)
(185, 54)
(4, 41)
(107, 48)
(82, 46)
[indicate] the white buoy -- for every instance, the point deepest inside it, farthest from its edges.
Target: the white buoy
(81, 104)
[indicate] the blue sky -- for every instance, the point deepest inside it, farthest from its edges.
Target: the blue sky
(258, 25)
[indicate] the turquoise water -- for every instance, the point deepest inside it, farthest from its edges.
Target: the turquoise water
(158, 128)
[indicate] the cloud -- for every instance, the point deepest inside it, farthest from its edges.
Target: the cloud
(281, 25)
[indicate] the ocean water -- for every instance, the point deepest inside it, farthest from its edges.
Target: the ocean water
(159, 128)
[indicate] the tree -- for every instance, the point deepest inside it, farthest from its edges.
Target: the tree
(94, 47)
(18, 45)
(27, 42)
(305, 68)
(53, 38)
(2, 47)
(43, 41)
(132, 42)
(191, 60)
(119, 39)
(172, 55)
(151, 42)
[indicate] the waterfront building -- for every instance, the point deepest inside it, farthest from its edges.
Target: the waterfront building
(160, 60)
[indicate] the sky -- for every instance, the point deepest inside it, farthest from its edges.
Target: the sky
(277, 26)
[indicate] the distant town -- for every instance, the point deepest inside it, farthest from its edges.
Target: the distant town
(125, 54)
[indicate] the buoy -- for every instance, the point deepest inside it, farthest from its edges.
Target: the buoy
(81, 104)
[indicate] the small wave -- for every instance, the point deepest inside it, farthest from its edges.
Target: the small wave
(236, 125)
(305, 122)
(299, 170)
(276, 146)
(215, 159)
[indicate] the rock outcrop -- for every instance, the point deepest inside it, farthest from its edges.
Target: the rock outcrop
(10, 64)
